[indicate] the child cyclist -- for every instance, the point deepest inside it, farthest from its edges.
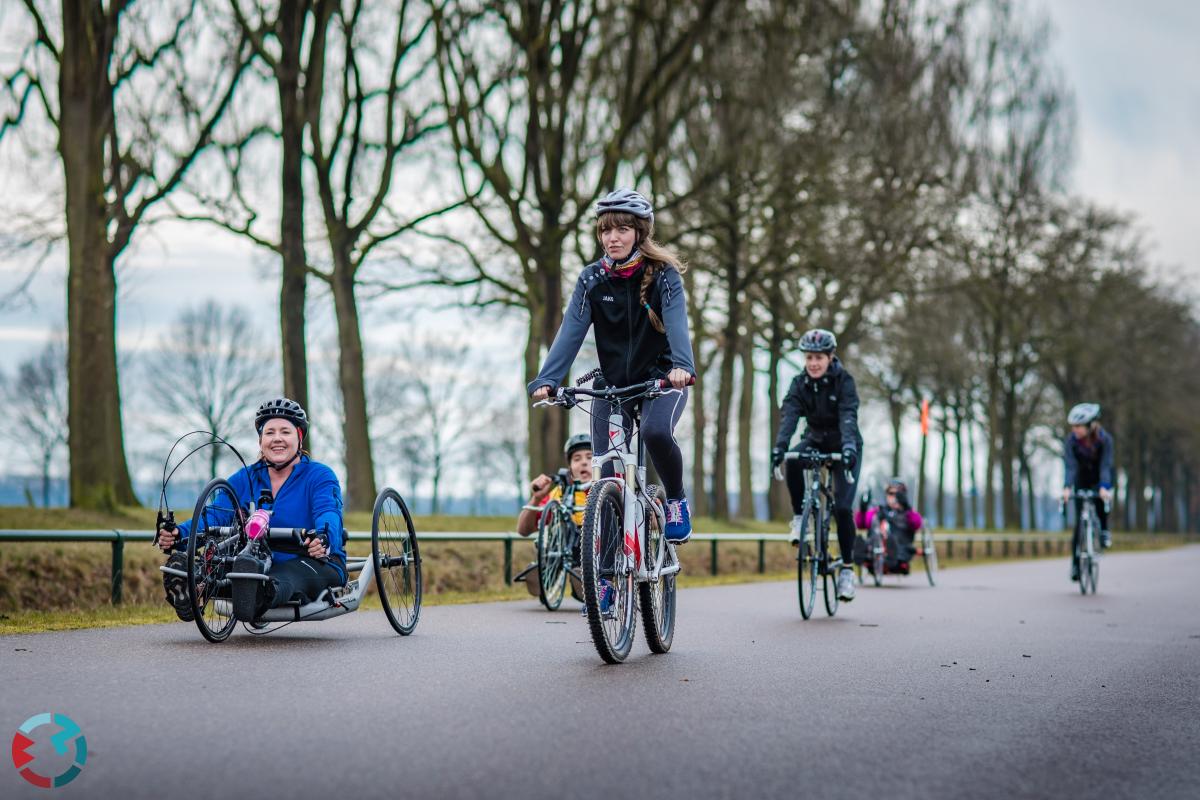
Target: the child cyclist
(824, 395)
(543, 489)
(633, 298)
(903, 523)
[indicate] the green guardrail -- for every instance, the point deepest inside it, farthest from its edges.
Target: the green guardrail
(1007, 544)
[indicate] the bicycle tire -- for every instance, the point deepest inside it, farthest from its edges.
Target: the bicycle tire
(612, 631)
(878, 555)
(210, 555)
(397, 561)
(829, 566)
(807, 562)
(657, 600)
(551, 558)
(929, 556)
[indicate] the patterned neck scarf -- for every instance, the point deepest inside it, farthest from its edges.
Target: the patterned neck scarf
(625, 268)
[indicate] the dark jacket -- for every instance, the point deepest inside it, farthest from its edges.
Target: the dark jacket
(830, 406)
(1088, 462)
(629, 348)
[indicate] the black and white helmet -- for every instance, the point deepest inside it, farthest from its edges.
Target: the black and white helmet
(1084, 414)
(281, 408)
(625, 201)
(818, 340)
(580, 441)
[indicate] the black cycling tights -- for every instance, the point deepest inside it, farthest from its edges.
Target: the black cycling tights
(843, 500)
(660, 415)
(302, 576)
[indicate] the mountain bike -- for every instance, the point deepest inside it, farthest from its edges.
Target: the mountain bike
(1085, 556)
(813, 559)
(628, 564)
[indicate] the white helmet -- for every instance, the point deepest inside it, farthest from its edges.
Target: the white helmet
(1084, 414)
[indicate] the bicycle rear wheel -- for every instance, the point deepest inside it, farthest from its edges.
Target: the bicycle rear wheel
(607, 585)
(929, 556)
(217, 535)
(878, 552)
(551, 556)
(657, 600)
(807, 562)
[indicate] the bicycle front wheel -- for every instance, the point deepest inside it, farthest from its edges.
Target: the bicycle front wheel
(551, 556)
(657, 599)
(218, 533)
(807, 562)
(607, 585)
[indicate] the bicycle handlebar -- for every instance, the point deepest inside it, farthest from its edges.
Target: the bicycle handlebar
(813, 458)
(565, 395)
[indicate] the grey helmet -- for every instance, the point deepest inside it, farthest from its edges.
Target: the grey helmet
(1084, 414)
(580, 441)
(626, 201)
(281, 408)
(818, 340)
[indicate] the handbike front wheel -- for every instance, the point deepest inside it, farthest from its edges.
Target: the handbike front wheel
(608, 594)
(217, 535)
(551, 556)
(397, 561)
(657, 600)
(806, 563)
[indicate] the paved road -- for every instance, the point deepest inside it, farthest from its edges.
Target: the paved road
(1001, 682)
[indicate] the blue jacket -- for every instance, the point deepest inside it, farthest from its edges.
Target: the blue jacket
(1088, 463)
(311, 497)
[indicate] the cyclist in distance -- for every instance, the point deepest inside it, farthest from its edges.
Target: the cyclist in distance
(825, 396)
(1088, 464)
(633, 298)
(543, 489)
(903, 522)
(300, 493)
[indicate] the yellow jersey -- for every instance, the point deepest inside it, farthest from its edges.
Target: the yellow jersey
(580, 502)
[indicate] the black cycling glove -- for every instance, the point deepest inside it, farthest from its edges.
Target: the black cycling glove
(777, 454)
(849, 457)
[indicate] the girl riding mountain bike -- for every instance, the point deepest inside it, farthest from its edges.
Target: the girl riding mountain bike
(826, 397)
(633, 298)
(300, 493)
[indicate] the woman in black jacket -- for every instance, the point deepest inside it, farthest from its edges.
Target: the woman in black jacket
(825, 396)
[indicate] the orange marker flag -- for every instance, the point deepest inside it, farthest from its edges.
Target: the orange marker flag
(924, 417)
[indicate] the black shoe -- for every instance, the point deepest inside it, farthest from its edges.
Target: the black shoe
(176, 586)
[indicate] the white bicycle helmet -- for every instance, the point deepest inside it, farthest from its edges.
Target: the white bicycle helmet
(1084, 414)
(625, 201)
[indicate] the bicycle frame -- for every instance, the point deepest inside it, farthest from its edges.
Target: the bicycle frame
(632, 482)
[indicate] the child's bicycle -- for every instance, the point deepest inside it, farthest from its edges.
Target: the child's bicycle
(557, 546)
(623, 510)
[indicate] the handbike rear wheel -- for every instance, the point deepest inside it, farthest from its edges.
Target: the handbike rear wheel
(551, 556)
(217, 535)
(396, 559)
(807, 562)
(605, 573)
(657, 600)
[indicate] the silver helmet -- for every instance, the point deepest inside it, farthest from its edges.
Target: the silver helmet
(1084, 414)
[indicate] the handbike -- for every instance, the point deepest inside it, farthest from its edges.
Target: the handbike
(557, 546)
(622, 510)
(219, 535)
(813, 558)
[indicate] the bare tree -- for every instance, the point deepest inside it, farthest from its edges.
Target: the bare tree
(36, 400)
(133, 93)
(217, 377)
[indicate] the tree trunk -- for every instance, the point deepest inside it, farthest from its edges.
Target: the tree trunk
(1008, 457)
(745, 431)
(46, 479)
(731, 342)
(973, 468)
(941, 472)
(960, 499)
(294, 280)
(779, 506)
(99, 474)
(547, 426)
(989, 484)
(360, 467)
(698, 503)
(1031, 494)
(896, 415)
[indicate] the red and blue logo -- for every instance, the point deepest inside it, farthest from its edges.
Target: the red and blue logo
(70, 750)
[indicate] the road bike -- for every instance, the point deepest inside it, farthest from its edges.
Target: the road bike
(813, 558)
(1085, 556)
(628, 564)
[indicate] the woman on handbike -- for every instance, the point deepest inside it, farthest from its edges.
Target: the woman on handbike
(299, 493)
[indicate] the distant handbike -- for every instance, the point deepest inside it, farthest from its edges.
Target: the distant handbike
(557, 546)
(623, 545)
(878, 541)
(219, 534)
(813, 558)
(1085, 556)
